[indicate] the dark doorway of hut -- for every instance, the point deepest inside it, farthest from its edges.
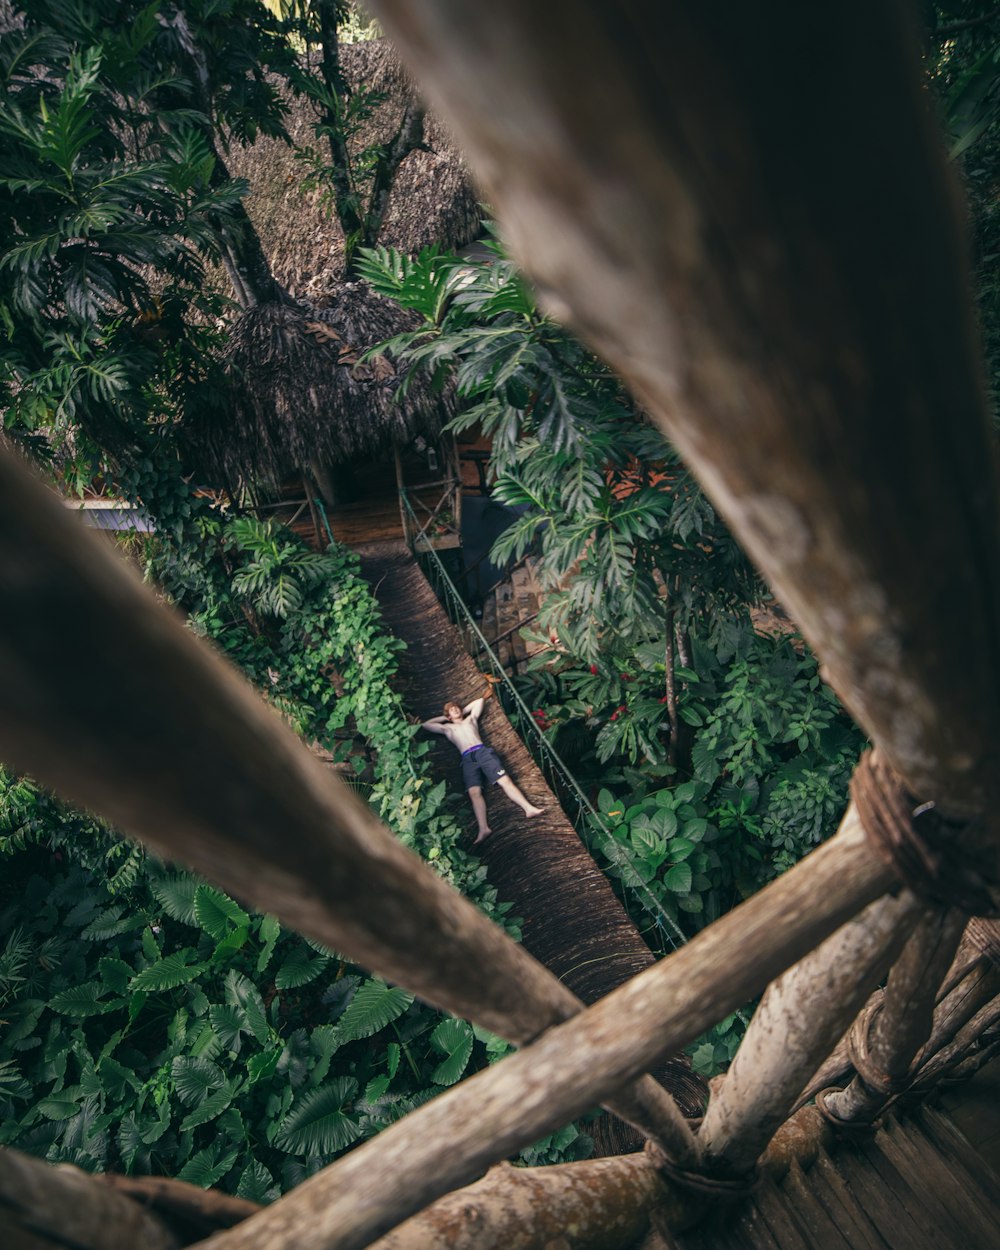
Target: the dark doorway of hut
(364, 500)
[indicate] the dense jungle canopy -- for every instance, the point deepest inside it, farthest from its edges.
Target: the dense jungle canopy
(234, 252)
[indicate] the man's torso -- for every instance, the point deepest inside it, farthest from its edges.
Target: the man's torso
(464, 733)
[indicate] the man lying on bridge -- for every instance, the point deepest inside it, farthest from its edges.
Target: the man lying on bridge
(460, 725)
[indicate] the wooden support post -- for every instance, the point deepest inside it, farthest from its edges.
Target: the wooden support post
(895, 1033)
(43, 1207)
(953, 1009)
(452, 1140)
(400, 490)
(937, 1065)
(605, 1201)
(959, 1005)
(795, 1027)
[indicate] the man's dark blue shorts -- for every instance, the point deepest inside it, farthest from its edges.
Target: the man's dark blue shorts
(479, 764)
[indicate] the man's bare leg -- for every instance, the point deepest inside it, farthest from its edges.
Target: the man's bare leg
(479, 807)
(512, 792)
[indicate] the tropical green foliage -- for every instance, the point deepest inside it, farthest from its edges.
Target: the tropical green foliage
(159, 1027)
(770, 756)
(962, 56)
(101, 305)
(155, 1025)
(658, 678)
(625, 540)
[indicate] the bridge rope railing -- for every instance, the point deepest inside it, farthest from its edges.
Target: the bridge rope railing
(586, 820)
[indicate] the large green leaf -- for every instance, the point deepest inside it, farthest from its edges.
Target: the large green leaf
(373, 1007)
(170, 972)
(217, 913)
(211, 1108)
(176, 896)
(242, 993)
(61, 1106)
(678, 878)
(300, 968)
(195, 1079)
(207, 1167)
(228, 1024)
(317, 1123)
(262, 1066)
(110, 924)
(269, 930)
(453, 1039)
(83, 1000)
(325, 1041)
(256, 1184)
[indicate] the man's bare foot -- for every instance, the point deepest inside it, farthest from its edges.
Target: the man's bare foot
(483, 835)
(532, 811)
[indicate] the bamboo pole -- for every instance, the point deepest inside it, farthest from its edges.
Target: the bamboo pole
(903, 1024)
(452, 1140)
(797, 1024)
(190, 759)
(46, 1207)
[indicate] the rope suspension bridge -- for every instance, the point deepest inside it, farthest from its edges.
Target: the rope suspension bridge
(586, 819)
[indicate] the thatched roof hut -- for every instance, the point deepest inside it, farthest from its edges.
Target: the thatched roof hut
(301, 395)
(433, 199)
(301, 398)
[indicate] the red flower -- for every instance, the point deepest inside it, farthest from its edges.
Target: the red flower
(593, 669)
(625, 677)
(665, 699)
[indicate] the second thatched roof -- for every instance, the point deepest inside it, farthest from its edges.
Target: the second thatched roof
(301, 393)
(433, 199)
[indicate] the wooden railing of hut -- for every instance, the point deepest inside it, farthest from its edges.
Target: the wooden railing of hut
(750, 217)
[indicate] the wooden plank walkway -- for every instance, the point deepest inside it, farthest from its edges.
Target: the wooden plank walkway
(914, 1184)
(572, 920)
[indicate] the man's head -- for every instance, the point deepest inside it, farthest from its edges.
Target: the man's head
(452, 711)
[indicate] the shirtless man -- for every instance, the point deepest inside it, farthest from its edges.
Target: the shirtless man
(460, 725)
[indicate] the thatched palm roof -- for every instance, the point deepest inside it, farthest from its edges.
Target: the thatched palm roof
(433, 199)
(300, 392)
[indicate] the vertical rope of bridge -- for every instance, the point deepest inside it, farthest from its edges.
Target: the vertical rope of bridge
(612, 850)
